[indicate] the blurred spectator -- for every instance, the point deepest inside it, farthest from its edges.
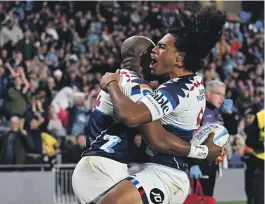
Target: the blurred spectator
(26, 47)
(238, 151)
(79, 116)
(15, 144)
(49, 49)
(16, 100)
(10, 33)
(50, 148)
(72, 155)
(55, 126)
(34, 133)
(4, 83)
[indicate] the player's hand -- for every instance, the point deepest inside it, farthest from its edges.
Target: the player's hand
(195, 172)
(215, 152)
(109, 78)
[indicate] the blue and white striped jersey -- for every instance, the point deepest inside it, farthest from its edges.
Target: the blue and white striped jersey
(110, 138)
(180, 104)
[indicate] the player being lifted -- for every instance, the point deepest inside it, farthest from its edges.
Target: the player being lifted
(179, 103)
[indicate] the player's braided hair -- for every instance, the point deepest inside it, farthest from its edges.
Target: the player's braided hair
(196, 34)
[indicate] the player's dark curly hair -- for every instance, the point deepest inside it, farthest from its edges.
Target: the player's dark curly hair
(197, 34)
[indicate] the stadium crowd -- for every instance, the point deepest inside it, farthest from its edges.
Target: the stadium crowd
(52, 50)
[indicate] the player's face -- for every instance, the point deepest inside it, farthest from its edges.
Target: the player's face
(164, 56)
(216, 96)
(145, 62)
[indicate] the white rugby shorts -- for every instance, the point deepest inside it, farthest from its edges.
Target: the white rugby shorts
(93, 175)
(160, 184)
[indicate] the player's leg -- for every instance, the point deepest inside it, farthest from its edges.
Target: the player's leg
(124, 192)
(132, 190)
(137, 189)
(94, 175)
(151, 185)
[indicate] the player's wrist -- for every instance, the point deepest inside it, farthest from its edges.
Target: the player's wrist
(108, 86)
(198, 151)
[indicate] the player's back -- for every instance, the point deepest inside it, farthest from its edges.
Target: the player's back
(186, 96)
(110, 138)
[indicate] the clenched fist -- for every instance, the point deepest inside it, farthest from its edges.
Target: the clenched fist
(108, 78)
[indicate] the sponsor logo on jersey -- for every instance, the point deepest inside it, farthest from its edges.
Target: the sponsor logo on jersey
(162, 101)
(142, 88)
(145, 89)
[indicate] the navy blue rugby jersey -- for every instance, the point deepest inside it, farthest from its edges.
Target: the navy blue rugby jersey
(109, 138)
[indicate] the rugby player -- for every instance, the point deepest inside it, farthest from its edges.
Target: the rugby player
(104, 163)
(179, 103)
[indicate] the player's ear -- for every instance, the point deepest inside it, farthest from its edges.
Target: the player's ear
(179, 56)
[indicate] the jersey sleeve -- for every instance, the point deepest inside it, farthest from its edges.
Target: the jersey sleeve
(164, 100)
(133, 86)
(168, 96)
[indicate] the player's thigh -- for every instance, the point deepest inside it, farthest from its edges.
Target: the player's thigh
(124, 192)
(142, 188)
(162, 185)
(94, 175)
(151, 185)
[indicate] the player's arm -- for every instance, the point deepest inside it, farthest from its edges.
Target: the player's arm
(129, 113)
(151, 107)
(154, 134)
(161, 140)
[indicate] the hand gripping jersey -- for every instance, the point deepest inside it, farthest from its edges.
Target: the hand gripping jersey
(110, 138)
(180, 104)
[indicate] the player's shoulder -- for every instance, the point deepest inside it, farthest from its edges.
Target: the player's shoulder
(185, 80)
(133, 77)
(133, 85)
(179, 87)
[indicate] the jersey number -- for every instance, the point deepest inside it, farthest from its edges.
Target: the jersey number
(112, 141)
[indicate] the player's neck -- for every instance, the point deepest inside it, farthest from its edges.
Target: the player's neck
(179, 73)
(140, 74)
